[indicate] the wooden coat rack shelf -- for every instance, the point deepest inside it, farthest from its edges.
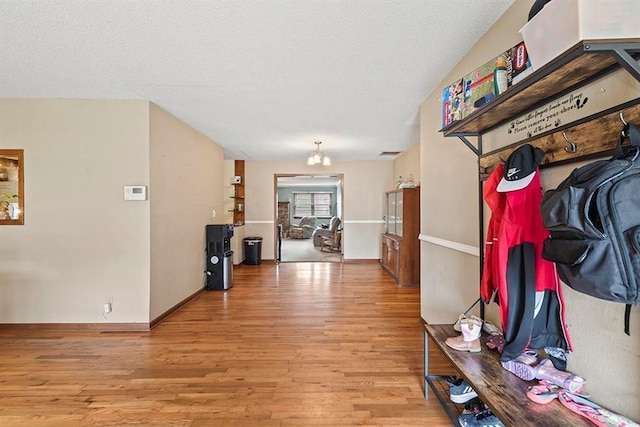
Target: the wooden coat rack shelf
(594, 136)
(584, 62)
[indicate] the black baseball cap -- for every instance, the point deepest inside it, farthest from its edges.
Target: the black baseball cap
(520, 168)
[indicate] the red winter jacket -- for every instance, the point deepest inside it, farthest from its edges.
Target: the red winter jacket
(528, 287)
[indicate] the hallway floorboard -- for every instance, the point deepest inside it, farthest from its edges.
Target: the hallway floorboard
(300, 344)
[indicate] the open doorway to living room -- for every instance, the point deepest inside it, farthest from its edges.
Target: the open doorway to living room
(308, 225)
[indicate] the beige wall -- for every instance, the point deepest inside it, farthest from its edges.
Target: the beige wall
(186, 187)
(364, 186)
(603, 354)
(407, 165)
(81, 242)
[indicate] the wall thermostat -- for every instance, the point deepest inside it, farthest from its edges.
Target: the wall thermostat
(236, 179)
(135, 192)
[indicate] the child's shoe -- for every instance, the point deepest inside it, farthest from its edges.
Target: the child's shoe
(470, 338)
(490, 328)
(461, 392)
(463, 319)
(568, 381)
(544, 392)
(458, 343)
(523, 366)
(484, 418)
(495, 342)
(595, 413)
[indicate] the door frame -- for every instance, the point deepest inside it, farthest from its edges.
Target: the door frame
(340, 177)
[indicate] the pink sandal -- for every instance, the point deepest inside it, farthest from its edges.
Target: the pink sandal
(544, 392)
(595, 413)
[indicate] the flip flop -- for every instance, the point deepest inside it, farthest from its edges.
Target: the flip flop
(544, 392)
(595, 413)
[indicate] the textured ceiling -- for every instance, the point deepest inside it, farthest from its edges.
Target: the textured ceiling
(264, 79)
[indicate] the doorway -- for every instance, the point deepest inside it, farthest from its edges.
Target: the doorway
(308, 218)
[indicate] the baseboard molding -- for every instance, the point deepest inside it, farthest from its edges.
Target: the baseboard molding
(361, 261)
(78, 327)
(97, 327)
(262, 261)
(169, 312)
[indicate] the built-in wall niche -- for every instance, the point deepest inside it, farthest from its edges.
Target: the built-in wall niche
(11, 187)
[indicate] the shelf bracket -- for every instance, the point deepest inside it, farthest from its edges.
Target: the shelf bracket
(628, 63)
(476, 150)
(622, 55)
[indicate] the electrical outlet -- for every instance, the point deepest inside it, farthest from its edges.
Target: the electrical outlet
(108, 306)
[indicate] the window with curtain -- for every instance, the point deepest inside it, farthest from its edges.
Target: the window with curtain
(311, 204)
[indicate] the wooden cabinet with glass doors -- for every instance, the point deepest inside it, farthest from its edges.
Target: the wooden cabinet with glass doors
(400, 244)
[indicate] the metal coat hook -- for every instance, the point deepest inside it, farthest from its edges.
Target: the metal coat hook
(625, 127)
(573, 147)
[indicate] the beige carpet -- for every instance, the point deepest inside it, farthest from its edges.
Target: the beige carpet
(301, 250)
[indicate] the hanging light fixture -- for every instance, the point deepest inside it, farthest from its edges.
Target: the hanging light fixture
(317, 157)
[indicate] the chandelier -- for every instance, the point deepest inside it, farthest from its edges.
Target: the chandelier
(317, 157)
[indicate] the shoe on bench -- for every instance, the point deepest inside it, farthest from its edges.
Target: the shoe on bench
(523, 366)
(464, 319)
(458, 343)
(570, 382)
(490, 328)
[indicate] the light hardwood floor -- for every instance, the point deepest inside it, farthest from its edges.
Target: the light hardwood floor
(301, 344)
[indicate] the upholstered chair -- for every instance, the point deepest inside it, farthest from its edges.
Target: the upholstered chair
(304, 229)
(321, 233)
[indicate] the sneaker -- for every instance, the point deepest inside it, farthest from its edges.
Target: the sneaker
(523, 366)
(452, 380)
(490, 328)
(461, 392)
(458, 343)
(474, 406)
(484, 418)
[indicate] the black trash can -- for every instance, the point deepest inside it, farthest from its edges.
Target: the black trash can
(252, 250)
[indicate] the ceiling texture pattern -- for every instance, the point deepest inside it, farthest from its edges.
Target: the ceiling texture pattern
(264, 79)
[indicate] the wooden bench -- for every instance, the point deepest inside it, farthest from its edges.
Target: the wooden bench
(502, 391)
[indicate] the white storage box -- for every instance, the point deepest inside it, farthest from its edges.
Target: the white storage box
(563, 23)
